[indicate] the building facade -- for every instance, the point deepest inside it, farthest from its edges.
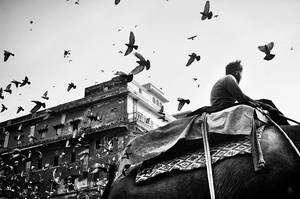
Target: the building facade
(63, 151)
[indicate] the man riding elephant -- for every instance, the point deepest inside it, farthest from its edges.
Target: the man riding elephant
(226, 92)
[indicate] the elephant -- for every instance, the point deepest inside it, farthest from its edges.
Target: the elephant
(233, 177)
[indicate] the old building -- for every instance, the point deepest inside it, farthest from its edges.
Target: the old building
(52, 153)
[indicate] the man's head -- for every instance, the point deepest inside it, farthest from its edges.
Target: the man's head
(235, 69)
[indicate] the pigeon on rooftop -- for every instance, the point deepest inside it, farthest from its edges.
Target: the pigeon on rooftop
(192, 58)
(267, 50)
(7, 54)
(130, 45)
(206, 14)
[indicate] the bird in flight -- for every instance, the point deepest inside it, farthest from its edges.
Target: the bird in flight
(25, 81)
(206, 14)
(67, 53)
(117, 2)
(20, 108)
(3, 108)
(192, 58)
(17, 83)
(1, 93)
(70, 86)
(8, 89)
(143, 63)
(37, 106)
(130, 45)
(44, 96)
(7, 54)
(267, 50)
(192, 37)
(182, 102)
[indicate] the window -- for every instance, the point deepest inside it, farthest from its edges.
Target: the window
(63, 118)
(40, 163)
(75, 125)
(157, 102)
(96, 176)
(140, 90)
(32, 128)
(43, 134)
(99, 143)
(153, 100)
(58, 131)
(28, 165)
(6, 139)
(120, 143)
(70, 183)
(55, 161)
(73, 156)
(53, 187)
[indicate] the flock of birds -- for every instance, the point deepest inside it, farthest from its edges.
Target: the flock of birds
(143, 63)
(17, 156)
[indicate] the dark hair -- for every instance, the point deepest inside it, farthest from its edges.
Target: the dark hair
(233, 67)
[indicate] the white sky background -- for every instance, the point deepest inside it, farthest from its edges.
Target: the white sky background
(90, 29)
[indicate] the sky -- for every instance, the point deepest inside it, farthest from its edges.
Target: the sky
(96, 30)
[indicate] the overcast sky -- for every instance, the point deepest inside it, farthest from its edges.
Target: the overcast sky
(91, 31)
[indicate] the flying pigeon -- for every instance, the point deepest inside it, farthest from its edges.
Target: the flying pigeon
(37, 106)
(20, 108)
(99, 167)
(7, 54)
(3, 108)
(25, 81)
(142, 64)
(267, 50)
(71, 85)
(195, 78)
(1, 93)
(216, 16)
(7, 89)
(128, 77)
(193, 56)
(67, 53)
(182, 102)
(130, 45)
(142, 60)
(192, 37)
(206, 14)
(117, 2)
(77, 2)
(17, 83)
(45, 96)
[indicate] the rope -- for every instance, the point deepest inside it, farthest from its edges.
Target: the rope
(282, 131)
(208, 158)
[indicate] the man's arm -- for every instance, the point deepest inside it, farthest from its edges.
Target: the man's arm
(234, 89)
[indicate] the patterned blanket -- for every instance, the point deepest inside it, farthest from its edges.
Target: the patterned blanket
(194, 160)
